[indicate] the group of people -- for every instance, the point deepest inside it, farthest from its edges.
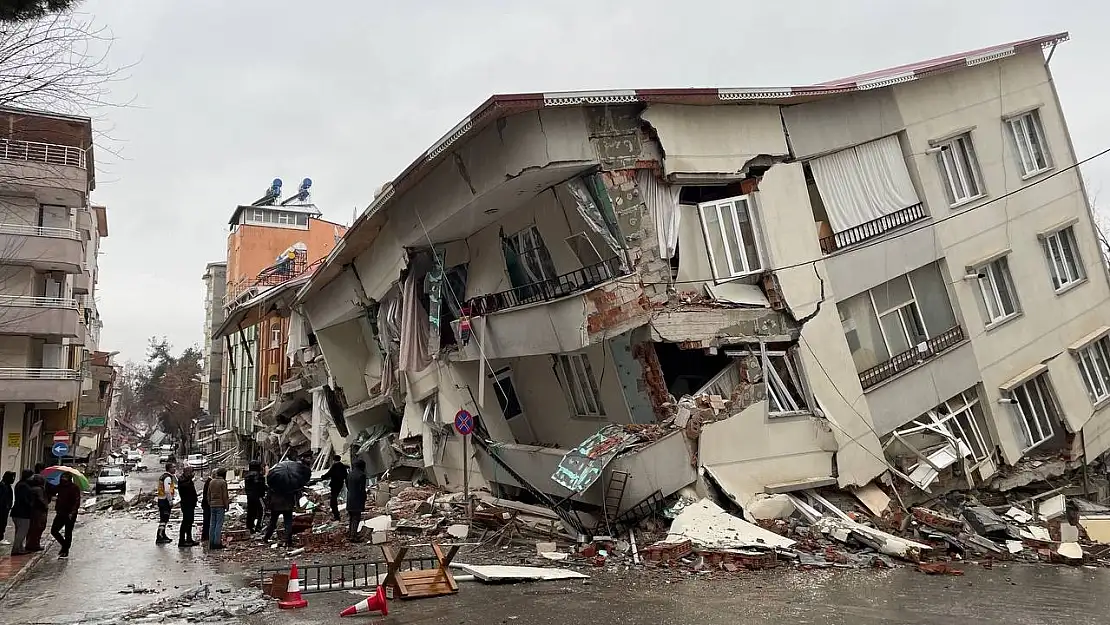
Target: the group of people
(27, 503)
(214, 501)
(338, 477)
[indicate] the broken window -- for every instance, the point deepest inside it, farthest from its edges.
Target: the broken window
(583, 249)
(527, 258)
(1094, 365)
(785, 392)
(579, 384)
(731, 237)
(943, 436)
(1035, 411)
(505, 390)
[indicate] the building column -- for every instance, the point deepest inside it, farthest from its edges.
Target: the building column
(12, 443)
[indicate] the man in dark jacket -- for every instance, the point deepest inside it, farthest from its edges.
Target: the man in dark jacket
(66, 504)
(255, 485)
(22, 512)
(356, 498)
(187, 490)
(337, 477)
(40, 509)
(7, 500)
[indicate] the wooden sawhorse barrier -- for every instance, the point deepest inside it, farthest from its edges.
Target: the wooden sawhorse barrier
(419, 583)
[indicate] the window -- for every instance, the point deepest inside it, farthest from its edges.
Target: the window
(583, 249)
(997, 289)
(275, 386)
(899, 317)
(785, 393)
(1063, 258)
(959, 170)
(527, 258)
(258, 215)
(1035, 411)
(1029, 139)
(302, 219)
(1094, 366)
(730, 237)
(957, 420)
(275, 335)
(505, 390)
(579, 384)
(284, 217)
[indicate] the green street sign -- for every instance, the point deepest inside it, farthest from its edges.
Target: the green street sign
(91, 422)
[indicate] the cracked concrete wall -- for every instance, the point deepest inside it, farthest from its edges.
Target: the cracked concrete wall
(707, 140)
(792, 245)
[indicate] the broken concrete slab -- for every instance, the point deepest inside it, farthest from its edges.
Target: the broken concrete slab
(767, 507)
(1018, 515)
(1036, 532)
(1071, 551)
(707, 525)
(1097, 528)
(873, 498)
(495, 574)
(458, 530)
(1052, 507)
(985, 521)
(1069, 533)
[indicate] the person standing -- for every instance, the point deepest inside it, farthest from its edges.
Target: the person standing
(167, 484)
(218, 500)
(255, 485)
(40, 509)
(205, 511)
(356, 498)
(66, 505)
(22, 512)
(7, 500)
(337, 477)
(187, 489)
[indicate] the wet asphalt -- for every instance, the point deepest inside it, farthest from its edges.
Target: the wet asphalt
(114, 554)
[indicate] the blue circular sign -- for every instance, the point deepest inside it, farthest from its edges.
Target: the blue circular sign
(60, 449)
(464, 422)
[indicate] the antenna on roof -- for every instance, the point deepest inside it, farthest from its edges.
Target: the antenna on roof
(272, 193)
(302, 192)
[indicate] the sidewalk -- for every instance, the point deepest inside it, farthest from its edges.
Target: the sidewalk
(15, 568)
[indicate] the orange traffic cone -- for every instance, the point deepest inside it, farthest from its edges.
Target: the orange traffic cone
(293, 598)
(373, 603)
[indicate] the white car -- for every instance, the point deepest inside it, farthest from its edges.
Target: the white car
(111, 478)
(197, 461)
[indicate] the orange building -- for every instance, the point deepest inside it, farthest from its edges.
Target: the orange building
(269, 244)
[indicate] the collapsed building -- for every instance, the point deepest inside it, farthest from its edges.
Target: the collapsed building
(893, 275)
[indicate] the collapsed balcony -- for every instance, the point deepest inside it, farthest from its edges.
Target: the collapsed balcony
(551, 289)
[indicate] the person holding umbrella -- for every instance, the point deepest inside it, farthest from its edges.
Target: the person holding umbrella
(66, 505)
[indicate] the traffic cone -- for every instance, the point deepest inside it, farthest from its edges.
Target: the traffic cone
(293, 598)
(373, 603)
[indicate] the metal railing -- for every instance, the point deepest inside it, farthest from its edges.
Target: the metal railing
(40, 231)
(26, 373)
(344, 576)
(37, 152)
(547, 290)
(911, 357)
(26, 301)
(873, 228)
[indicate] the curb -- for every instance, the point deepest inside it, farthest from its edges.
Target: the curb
(26, 570)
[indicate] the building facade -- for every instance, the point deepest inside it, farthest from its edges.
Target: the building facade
(270, 243)
(49, 237)
(215, 290)
(890, 274)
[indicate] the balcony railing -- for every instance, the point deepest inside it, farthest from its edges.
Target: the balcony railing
(36, 152)
(40, 231)
(873, 228)
(547, 290)
(911, 357)
(25, 301)
(24, 373)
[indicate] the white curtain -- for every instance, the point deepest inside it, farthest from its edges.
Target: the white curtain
(662, 200)
(298, 338)
(863, 183)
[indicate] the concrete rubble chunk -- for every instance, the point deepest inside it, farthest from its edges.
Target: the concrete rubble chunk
(1052, 507)
(707, 525)
(458, 530)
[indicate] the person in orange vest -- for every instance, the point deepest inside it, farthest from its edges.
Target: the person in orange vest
(167, 484)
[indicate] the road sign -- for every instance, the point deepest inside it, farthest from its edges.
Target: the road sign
(60, 449)
(92, 422)
(464, 422)
(61, 436)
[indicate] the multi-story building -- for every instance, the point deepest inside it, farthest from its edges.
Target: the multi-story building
(48, 245)
(270, 242)
(894, 272)
(215, 290)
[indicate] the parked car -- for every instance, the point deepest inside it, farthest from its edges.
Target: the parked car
(111, 478)
(164, 456)
(197, 461)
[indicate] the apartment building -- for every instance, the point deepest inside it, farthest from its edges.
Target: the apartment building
(49, 237)
(271, 241)
(215, 291)
(891, 274)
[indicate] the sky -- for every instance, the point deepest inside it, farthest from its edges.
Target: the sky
(223, 96)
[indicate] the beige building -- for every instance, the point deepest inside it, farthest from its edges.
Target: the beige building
(890, 274)
(49, 238)
(215, 289)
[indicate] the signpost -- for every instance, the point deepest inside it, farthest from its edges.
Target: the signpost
(464, 425)
(60, 449)
(61, 436)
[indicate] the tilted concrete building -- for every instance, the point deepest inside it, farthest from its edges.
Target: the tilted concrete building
(894, 273)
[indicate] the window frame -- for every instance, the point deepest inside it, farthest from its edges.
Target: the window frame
(498, 379)
(900, 309)
(781, 400)
(275, 335)
(1024, 129)
(987, 280)
(1065, 240)
(531, 235)
(273, 384)
(737, 232)
(960, 152)
(1045, 399)
(1086, 359)
(575, 375)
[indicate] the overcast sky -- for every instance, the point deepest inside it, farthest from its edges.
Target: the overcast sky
(229, 94)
